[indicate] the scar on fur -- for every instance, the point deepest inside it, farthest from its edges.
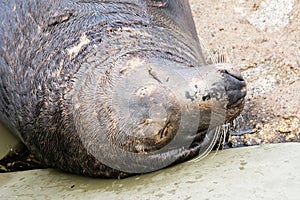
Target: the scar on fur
(83, 41)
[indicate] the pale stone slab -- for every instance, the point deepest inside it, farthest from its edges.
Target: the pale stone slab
(260, 172)
(7, 141)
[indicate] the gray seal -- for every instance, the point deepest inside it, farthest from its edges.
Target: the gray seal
(111, 88)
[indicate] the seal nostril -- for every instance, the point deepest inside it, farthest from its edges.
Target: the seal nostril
(230, 70)
(234, 73)
(206, 98)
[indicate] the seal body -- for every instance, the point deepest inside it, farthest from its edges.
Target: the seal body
(111, 88)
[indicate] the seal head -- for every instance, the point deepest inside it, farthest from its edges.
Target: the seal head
(111, 88)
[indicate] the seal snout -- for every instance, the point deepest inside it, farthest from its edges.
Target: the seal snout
(235, 88)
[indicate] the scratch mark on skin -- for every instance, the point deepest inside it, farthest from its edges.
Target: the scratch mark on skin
(83, 41)
(153, 75)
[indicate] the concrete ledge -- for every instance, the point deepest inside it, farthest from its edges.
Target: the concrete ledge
(260, 172)
(7, 141)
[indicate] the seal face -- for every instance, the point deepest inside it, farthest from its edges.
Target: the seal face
(111, 88)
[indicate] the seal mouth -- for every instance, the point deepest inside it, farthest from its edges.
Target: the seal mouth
(236, 100)
(239, 101)
(199, 136)
(203, 143)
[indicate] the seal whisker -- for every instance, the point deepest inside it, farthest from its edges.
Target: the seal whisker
(216, 136)
(210, 58)
(223, 57)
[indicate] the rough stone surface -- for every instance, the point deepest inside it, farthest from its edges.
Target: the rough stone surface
(262, 39)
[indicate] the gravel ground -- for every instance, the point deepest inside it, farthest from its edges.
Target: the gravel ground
(262, 39)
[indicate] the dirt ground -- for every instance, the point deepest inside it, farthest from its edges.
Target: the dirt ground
(262, 39)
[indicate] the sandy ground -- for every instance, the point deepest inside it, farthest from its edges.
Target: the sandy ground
(262, 39)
